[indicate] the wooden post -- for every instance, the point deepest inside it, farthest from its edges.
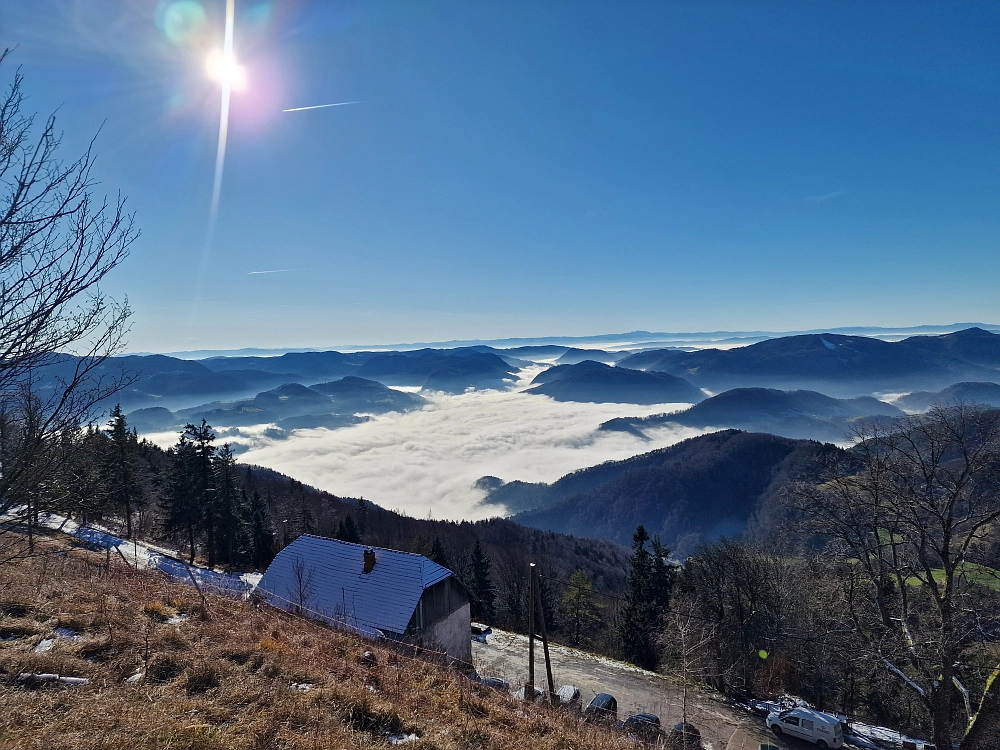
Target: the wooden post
(545, 635)
(529, 688)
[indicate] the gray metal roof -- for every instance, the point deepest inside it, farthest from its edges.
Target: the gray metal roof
(342, 594)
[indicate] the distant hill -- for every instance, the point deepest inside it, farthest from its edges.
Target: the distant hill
(698, 490)
(837, 364)
(795, 414)
(595, 382)
(444, 370)
(575, 356)
(971, 393)
(290, 406)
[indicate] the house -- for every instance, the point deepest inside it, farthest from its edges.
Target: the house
(375, 592)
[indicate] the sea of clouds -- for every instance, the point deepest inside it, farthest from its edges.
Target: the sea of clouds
(426, 462)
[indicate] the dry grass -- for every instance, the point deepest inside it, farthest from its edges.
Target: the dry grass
(223, 678)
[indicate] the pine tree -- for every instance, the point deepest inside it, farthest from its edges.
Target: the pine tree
(347, 531)
(647, 600)
(437, 553)
(180, 503)
(362, 517)
(581, 616)
(261, 536)
(120, 472)
(188, 505)
(479, 583)
(227, 511)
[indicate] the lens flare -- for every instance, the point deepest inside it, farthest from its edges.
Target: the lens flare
(182, 22)
(224, 69)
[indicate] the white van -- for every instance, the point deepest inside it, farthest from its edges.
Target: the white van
(823, 729)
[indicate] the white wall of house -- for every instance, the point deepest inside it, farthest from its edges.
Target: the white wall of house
(453, 634)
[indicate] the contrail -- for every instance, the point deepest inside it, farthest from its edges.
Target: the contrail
(277, 270)
(319, 106)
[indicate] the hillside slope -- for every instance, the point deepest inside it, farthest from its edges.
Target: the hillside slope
(970, 393)
(595, 382)
(796, 414)
(835, 364)
(700, 489)
(222, 674)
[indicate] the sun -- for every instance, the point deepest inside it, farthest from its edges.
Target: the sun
(224, 69)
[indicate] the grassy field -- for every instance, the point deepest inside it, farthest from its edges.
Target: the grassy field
(980, 575)
(226, 674)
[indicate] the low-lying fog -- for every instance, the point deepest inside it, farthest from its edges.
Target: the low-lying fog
(427, 461)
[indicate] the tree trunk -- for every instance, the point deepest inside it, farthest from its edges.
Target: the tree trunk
(941, 711)
(986, 724)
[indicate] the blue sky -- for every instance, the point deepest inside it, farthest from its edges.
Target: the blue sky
(537, 168)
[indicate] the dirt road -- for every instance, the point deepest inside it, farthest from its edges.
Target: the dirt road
(505, 655)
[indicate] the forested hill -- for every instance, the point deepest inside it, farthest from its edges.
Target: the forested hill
(196, 499)
(699, 490)
(835, 364)
(795, 414)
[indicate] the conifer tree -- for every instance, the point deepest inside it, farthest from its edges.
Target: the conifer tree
(347, 531)
(581, 616)
(362, 517)
(120, 471)
(479, 583)
(647, 600)
(226, 511)
(189, 507)
(180, 504)
(261, 536)
(437, 553)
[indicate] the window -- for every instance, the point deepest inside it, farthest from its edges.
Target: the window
(807, 724)
(793, 720)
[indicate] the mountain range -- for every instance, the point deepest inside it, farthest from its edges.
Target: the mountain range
(972, 393)
(795, 414)
(290, 406)
(596, 382)
(835, 364)
(698, 490)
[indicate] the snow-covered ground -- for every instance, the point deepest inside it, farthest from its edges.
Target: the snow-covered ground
(147, 556)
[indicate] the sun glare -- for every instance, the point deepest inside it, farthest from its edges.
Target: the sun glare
(224, 69)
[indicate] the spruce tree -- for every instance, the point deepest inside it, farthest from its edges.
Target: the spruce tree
(437, 553)
(347, 531)
(182, 514)
(260, 534)
(227, 510)
(647, 600)
(120, 470)
(581, 616)
(479, 583)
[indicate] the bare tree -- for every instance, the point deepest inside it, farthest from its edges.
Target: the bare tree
(303, 587)
(908, 510)
(688, 642)
(57, 327)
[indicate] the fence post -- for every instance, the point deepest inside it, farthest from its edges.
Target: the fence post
(529, 688)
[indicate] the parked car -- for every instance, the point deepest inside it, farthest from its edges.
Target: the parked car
(645, 727)
(824, 730)
(480, 631)
(569, 696)
(520, 695)
(603, 709)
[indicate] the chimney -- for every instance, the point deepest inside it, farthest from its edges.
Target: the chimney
(369, 559)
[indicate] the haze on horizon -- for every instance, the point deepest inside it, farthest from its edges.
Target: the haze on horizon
(526, 169)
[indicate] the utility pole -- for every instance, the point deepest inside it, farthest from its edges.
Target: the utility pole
(545, 636)
(529, 688)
